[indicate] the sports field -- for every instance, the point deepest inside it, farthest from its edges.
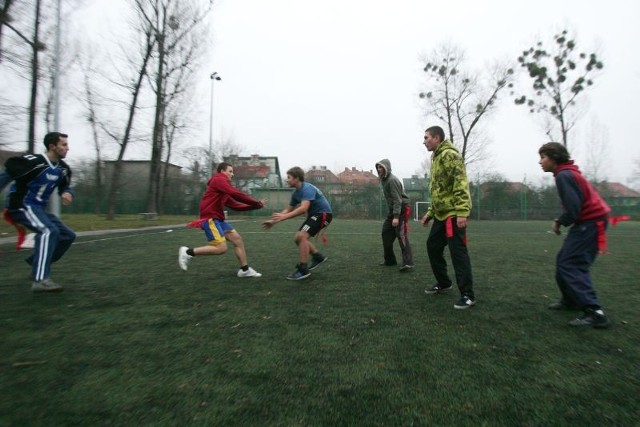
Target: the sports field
(133, 340)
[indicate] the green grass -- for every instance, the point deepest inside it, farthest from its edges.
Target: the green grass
(135, 341)
(85, 222)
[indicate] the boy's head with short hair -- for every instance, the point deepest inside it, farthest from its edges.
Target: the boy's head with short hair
(52, 138)
(296, 172)
(436, 131)
(222, 166)
(555, 151)
(553, 154)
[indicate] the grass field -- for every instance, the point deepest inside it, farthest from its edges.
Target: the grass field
(133, 340)
(83, 222)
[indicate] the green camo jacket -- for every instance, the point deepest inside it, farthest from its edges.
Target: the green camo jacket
(449, 185)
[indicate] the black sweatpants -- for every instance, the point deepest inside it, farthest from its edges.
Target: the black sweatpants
(457, 243)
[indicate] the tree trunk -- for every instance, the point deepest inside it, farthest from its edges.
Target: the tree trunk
(33, 100)
(115, 177)
(4, 17)
(158, 125)
(165, 174)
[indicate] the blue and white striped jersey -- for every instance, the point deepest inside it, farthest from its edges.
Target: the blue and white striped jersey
(35, 178)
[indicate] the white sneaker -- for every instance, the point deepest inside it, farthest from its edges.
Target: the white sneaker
(46, 285)
(249, 273)
(183, 257)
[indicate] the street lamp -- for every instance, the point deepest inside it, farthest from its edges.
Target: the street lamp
(214, 76)
(54, 207)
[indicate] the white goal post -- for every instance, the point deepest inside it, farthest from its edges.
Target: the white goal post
(421, 209)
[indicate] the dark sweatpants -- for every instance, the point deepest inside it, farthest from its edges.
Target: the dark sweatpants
(390, 234)
(576, 256)
(436, 243)
(53, 238)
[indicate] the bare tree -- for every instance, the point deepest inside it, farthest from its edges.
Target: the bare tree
(597, 149)
(425, 166)
(12, 16)
(27, 32)
(138, 67)
(11, 116)
(199, 157)
(559, 74)
(178, 113)
(173, 24)
(461, 98)
(635, 174)
(25, 52)
(5, 18)
(91, 115)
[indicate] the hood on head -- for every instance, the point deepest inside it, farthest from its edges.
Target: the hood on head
(386, 164)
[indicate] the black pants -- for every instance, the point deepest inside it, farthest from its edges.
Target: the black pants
(456, 242)
(391, 233)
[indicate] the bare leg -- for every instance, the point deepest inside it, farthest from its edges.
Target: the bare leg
(304, 245)
(211, 250)
(312, 248)
(238, 245)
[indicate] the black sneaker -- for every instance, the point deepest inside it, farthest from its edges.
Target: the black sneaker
(464, 302)
(299, 275)
(387, 264)
(316, 262)
(437, 289)
(593, 318)
(562, 305)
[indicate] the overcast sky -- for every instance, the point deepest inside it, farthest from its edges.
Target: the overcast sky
(335, 83)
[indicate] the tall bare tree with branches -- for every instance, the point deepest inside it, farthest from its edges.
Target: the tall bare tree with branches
(129, 82)
(5, 20)
(27, 37)
(26, 25)
(88, 98)
(176, 26)
(559, 73)
(461, 98)
(596, 152)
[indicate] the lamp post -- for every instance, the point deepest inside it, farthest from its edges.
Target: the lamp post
(214, 76)
(54, 207)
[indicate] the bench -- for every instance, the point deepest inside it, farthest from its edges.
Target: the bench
(148, 216)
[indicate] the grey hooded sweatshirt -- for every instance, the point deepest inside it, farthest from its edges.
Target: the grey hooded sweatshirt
(392, 189)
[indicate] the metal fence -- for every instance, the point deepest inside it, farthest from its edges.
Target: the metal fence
(356, 202)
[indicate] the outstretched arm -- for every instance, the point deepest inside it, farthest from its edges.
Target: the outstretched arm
(238, 201)
(238, 206)
(292, 213)
(286, 213)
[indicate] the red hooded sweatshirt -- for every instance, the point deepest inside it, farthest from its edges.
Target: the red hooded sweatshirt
(581, 202)
(221, 193)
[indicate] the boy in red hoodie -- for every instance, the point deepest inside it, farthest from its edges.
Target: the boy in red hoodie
(587, 213)
(221, 193)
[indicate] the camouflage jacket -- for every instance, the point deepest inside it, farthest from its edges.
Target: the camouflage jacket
(449, 185)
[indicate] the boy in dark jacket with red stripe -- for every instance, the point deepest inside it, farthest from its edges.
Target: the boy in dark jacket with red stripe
(587, 213)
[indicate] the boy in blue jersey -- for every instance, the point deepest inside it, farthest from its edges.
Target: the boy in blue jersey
(306, 198)
(35, 177)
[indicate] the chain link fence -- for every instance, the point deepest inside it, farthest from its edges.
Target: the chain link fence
(491, 201)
